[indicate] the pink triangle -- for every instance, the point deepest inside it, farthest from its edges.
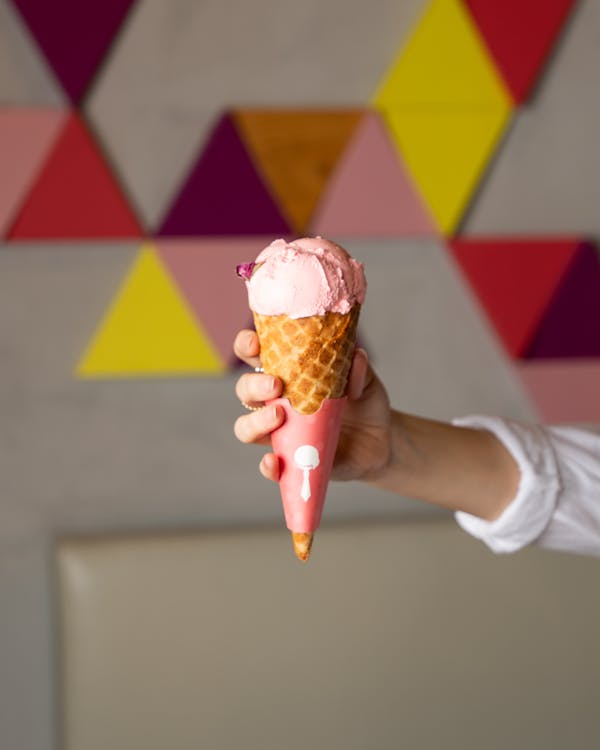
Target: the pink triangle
(204, 269)
(371, 192)
(564, 390)
(26, 139)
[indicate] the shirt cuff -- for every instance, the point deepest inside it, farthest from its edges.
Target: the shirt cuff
(528, 514)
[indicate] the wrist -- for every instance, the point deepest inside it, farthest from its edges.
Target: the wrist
(389, 469)
(458, 468)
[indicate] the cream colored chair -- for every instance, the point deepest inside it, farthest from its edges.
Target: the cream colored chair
(393, 635)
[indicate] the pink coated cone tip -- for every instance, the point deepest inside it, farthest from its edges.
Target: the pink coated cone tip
(305, 445)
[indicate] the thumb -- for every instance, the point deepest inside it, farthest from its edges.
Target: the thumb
(358, 374)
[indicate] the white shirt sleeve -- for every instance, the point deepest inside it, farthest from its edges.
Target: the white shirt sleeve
(557, 504)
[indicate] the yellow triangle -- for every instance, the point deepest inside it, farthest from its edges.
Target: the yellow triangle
(149, 330)
(447, 152)
(444, 63)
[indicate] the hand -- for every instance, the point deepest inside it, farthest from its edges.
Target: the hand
(365, 437)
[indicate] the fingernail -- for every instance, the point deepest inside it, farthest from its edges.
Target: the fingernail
(275, 413)
(267, 386)
(249, 339)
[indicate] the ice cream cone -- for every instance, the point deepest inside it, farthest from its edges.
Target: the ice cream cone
(306, 298)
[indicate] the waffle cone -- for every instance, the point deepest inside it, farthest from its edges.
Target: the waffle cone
(311, 356)
(302, 542)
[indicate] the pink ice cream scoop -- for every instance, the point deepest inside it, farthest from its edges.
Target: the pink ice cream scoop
(309, 276)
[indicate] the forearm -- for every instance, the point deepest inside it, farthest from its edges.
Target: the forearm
(454, 467)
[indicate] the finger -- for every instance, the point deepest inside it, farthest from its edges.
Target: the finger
(254, 389)
(371, 379)
(269, 467)
(251, 428)
(358, 374)
(246, 347)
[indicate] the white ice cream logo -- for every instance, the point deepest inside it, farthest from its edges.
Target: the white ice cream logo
(306, 458)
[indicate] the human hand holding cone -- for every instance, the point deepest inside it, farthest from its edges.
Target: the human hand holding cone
(306, 298)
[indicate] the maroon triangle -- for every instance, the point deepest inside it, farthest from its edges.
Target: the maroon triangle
(223, 194)
(571, 325)
(74, 36)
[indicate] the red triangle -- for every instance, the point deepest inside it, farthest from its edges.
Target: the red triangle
(520, 35)
(74, 35)
(515, 281)
(76, 195)
(27, 136)
(370, 192)
(205, 272)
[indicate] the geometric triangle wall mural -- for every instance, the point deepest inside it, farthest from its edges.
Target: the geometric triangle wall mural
(407, 163)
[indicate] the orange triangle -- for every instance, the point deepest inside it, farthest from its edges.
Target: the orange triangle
(296, 151)
(76, 194)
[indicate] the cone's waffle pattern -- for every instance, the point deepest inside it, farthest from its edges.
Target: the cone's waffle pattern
(312, 356)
